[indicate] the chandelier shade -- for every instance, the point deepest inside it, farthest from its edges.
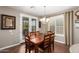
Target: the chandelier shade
(44, 20)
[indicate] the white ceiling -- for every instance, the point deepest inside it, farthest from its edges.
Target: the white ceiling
(39, 10)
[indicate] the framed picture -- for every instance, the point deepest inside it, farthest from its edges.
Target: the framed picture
(77, 14)
(8, 22)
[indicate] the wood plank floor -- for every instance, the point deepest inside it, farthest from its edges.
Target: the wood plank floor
(59, 48)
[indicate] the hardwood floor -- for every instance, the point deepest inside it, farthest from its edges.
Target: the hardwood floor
(59, 48)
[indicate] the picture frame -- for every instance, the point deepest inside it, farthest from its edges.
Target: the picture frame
(8, 22)
(77, 14)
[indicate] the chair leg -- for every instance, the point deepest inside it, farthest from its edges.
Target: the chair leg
(53, 46)
(49, 49)
(25, 49)
(29, 50)
(36, 49)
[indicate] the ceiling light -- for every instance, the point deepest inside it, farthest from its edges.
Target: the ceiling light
(44, 19)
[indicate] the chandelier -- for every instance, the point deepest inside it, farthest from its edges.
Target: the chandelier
(44, 19)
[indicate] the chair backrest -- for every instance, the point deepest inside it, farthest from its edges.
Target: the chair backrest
(52, 35)
(46, 41)
(27, 41)
(28, 44)
(32, 33)
(37, 33)
(50, 32)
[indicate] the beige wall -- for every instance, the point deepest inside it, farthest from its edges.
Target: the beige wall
(10, 37)
(44, 28)
(76, 29)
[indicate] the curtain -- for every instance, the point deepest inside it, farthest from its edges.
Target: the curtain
(68, 28)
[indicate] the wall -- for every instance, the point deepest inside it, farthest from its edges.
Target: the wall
(44, 28)
(76, 29)
(11, 37)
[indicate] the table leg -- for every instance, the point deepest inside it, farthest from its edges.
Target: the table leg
(36, 49)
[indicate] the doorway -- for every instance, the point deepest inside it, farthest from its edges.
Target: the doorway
(25, 26)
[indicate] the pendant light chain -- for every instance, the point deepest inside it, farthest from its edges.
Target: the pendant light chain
(45, 13)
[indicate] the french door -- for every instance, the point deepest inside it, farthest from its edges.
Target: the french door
(25, 26)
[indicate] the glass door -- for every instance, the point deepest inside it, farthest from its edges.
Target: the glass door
(33, 25)
(25, 25)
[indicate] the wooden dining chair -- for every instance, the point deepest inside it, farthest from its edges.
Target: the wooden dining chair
(32, 33)
(46, 44)
(52, 36)
(50, 32)
(37, 33)
(28, 44)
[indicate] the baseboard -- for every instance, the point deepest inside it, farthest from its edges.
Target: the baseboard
(60, 41)
(22, 41)
(10, 46)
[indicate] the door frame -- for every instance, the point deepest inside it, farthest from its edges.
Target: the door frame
(30, 26)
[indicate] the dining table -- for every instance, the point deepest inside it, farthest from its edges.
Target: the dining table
(37, 40)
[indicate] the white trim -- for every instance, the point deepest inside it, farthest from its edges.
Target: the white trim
(30, 28)
(21, 28)
(22, 41)
(59, 34)
(59, 41)
(10, 46)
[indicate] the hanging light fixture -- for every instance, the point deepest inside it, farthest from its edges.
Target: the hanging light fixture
(44, 19)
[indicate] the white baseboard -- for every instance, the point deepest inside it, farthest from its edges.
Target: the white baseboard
(22, 41)
(60, 41)
(10, 46)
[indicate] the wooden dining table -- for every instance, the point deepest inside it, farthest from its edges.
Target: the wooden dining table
(37, 40)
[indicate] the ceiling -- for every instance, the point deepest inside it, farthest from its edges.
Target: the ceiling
(39, 11)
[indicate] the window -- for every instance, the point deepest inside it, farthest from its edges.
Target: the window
(57, 24)
(33, 25)
(25, 25)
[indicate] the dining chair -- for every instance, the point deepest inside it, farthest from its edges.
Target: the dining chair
(37, 33)
(29, 46)
(50, 32)
(52, 36)
(46, 46)
(32, 33)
